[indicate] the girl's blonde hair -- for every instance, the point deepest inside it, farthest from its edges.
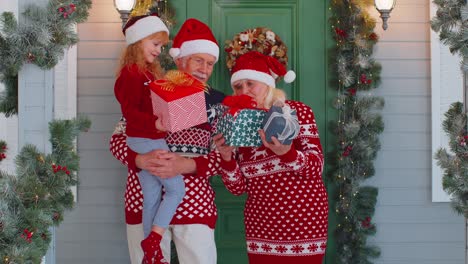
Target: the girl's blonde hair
(274, 95)
(133, 54)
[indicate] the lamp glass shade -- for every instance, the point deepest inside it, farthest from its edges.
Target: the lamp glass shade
(124, 5)
(384, 4)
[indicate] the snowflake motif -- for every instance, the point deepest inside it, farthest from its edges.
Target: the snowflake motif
(253, 246)
(312, 247)
(281, 249)
(313, 130)
(297, 249)
(251, 170)
(284, 165)
(268, 166)
(323, 246)
(266, 248)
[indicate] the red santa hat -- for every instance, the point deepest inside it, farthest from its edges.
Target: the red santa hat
(194, 37)
(254, 65)
(140, 27)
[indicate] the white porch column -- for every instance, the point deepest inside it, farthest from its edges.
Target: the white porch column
(35, 108)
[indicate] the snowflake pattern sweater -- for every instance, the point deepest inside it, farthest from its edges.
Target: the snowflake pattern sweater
(286, 211)
(198, 205)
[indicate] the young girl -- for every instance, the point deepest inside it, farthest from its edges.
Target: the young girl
(145, 36)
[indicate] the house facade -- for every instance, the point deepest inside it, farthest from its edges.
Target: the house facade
(411, 227)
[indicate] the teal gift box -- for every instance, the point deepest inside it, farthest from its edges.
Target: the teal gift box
(240, 128)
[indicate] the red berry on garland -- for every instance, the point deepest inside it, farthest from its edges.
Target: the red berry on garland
(363, 78)
(341, 33)
(462, 142)
(30, 57)
(56, 216)
(27, 235)
(366, 223)
(374, 37)
(61, 9)
(352, 91)
(347, 151)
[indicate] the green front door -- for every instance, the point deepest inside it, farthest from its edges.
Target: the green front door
(302, 25)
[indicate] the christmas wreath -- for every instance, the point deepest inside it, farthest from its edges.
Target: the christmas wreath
(260, 39)
(41, 38)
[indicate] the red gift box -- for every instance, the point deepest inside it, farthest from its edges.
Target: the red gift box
(179, 100)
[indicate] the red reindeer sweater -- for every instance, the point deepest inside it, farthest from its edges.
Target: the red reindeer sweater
(286, 211)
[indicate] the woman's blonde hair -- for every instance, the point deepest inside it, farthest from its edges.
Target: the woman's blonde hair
(274, 95)
(133, 54)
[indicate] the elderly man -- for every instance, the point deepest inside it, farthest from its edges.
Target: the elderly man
(195, 51)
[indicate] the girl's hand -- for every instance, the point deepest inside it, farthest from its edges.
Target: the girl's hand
(224, 150)
(159, 125)
(275, 146)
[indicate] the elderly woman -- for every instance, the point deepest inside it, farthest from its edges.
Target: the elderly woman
(286, 211)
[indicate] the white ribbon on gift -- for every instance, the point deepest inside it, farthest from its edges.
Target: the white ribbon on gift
(292, 123)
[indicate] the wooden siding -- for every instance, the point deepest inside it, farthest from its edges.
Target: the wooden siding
(411, 228)
(94, 232)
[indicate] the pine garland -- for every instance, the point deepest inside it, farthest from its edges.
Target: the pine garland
(357, 129)
(40, 38)
(36, 197)
(451, 22)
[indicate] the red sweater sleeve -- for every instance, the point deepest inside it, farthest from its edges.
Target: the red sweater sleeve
(135, 102)
(120, 150)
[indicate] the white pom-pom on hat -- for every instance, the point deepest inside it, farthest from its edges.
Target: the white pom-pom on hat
(289, 77)
(174, 52)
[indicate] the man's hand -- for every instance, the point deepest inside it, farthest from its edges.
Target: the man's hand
(165, 164)
(149, 161)
(172, 164)
(275, 146)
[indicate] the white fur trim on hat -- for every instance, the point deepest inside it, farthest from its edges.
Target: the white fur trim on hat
(289, 77)
(196, 46)
(143, 28)
(253, 75)
(174, 52)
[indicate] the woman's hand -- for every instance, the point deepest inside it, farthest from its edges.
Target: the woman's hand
(160, 125)
(275, 146)
(224, 150)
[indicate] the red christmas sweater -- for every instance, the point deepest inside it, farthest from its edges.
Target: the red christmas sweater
(286, 211)
(198, 205)
(132, 91)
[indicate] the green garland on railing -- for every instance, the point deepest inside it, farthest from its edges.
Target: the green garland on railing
(451, 22)
(36, 197)
(40, 38)
(357, 129)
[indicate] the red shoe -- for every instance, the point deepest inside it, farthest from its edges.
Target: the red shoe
(152, 249)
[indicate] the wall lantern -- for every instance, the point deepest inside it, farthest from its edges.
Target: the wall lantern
(384, 7)
(124, 7)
